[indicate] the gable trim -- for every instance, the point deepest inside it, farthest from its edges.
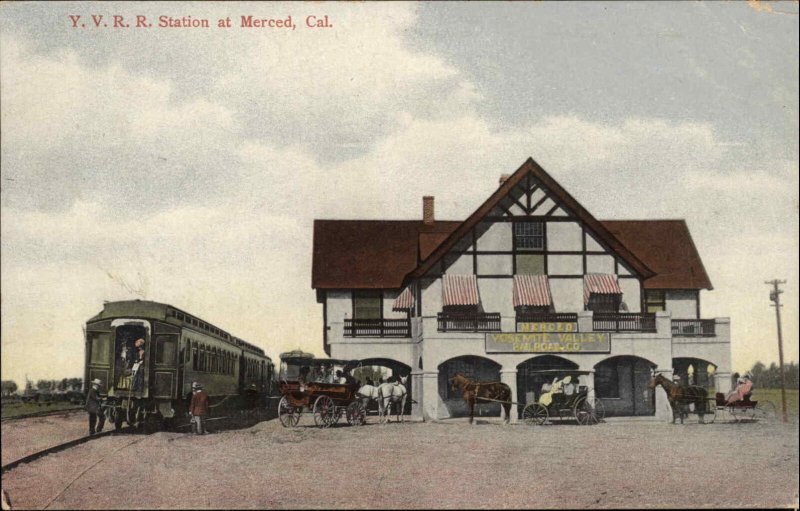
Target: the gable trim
(553, 188)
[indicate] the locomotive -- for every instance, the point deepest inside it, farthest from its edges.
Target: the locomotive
(147, 354)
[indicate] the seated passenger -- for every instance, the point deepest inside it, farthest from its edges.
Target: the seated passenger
(744, 386)
(302, 378)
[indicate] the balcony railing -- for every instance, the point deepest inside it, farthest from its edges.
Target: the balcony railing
(693, 327)
(469, 322)
(377, 328)
(623, 322)
(546, 317)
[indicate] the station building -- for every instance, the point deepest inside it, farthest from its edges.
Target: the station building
(531, 281)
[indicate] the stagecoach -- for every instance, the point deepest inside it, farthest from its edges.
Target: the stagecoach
(309, 386)
(568, 395)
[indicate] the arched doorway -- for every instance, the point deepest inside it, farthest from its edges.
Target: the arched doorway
(384, 369)
(475, 368)
(530, 377)
(695, 371)
(622, 384)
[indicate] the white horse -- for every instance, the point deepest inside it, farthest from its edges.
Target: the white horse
(368, 393)
(392, 393)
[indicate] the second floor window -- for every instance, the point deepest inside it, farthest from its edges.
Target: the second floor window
(367, 305)
(529, 235)
(655, 301)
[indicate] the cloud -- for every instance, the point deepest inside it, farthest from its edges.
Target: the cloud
(201, 191)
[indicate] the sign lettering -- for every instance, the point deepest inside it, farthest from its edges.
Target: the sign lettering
(548, 342)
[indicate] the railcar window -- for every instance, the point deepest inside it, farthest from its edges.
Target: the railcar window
(165, 349)
(101, 347)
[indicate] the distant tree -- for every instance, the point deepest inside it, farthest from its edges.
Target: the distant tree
(63, 385)
(75, 384)
(770, 377)
(8, 387)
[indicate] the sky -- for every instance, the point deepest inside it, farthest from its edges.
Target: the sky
(186, 165)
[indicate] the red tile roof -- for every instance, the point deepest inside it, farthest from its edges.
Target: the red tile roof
(380, 254)
(666, 247)
(371, 254)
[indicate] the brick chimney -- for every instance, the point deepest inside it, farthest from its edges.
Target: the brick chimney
(504, 178)
(427, 210)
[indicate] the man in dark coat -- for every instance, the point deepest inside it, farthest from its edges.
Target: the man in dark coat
(198, 409)
(94, 409)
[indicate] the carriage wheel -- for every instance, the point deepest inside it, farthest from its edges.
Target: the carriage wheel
(766, 411)
(288, 414)
(535, 414)
(324, 412)
(356, 413)
(711, 411)
(743, 413)
(584, 412)
(599, 410)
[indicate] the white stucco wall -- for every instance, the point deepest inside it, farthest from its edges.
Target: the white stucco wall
(567, 294)
(494, 264)
(432, 298)
(599, 264)
(631, 294)
(497, 295)
(682, 304)
(339, 304)
(564, 265)
(497, 237)
(461, 266)
(591, 244)
(564, 236)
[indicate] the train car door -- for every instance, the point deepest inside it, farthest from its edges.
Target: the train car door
(165, 361)
(99, 355)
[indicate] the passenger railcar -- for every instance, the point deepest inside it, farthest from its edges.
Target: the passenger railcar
(147, 354)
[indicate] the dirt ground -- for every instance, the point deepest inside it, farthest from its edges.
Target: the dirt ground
(27, 436)
(422, 465)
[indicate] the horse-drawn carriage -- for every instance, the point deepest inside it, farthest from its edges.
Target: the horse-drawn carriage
(567, 396)
(685, 399)
(746, 409)
(322, 387)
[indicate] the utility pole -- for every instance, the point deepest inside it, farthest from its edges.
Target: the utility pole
(775, 297)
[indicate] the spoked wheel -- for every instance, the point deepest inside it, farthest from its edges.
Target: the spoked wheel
(599, 410)
(711, 411)
(288, 414)
(765, 411)
(584, 412)
(324, 412)
(743, 413)
(535, 414)
(356, 413)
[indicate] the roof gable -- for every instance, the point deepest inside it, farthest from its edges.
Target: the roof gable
(508, 200)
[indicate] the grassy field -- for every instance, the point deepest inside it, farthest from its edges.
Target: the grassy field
(14, 409)
(774, 395)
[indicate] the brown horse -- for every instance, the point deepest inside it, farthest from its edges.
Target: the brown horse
(472, 391)
(680, 397)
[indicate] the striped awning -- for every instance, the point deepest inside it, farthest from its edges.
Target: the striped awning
(532, 291)
(405, 301)
(459, 290)
(600, 283)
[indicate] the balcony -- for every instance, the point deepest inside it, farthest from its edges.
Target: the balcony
(468, 321)
(377, 327)
(623, 322)
(694, 327)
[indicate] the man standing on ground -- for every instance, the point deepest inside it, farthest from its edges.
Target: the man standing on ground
(198, 408)
(94, 409)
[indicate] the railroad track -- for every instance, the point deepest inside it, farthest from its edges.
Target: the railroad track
(57, 448)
